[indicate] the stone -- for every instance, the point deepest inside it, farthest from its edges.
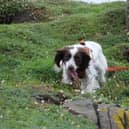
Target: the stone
(82, 107)
(116, 118)
(106, 116)
(126, 115)
(103, 116)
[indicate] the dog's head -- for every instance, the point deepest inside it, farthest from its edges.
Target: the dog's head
(74, 60)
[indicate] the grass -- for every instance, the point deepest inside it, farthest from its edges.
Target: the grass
(20, 110)
(26, 61)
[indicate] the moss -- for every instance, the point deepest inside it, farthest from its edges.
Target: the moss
(127, 119)
(118, 118)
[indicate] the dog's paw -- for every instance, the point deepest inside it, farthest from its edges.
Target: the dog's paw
(66, 81)
(87, 91)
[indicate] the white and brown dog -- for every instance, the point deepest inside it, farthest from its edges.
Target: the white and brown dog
(84, 61)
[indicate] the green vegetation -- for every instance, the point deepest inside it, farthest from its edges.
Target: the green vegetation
(9, 8)
(26, 61)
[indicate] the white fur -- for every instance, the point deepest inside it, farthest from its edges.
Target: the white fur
(94, 73)
(65, 78)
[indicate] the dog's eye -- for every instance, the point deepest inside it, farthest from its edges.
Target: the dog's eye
(77, 59)
(67, 56)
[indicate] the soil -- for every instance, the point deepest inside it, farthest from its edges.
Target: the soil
(57, 98)
(32, 15)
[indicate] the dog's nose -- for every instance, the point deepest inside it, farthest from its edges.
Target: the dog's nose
(71, 68)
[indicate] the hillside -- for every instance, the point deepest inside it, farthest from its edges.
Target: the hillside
(26, 61)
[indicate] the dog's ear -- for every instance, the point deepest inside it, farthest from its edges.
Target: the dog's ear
(59, 56)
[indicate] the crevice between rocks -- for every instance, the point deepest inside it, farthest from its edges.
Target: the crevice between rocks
(108, 113)
(97, 114)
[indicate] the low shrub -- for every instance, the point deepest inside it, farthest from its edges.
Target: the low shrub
(9, 8)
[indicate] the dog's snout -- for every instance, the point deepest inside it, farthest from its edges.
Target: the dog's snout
(71, 68)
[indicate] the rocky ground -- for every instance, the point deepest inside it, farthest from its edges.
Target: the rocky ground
(106, 116)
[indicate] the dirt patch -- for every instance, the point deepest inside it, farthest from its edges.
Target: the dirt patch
(57, 98)
(32, 15)
(46, 95)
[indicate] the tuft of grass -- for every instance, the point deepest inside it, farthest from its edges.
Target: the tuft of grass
(116, 54)
(19, 110)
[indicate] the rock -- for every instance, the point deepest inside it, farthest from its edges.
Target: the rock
(126, 115)
(83, 107)
(103, 116)
(120, 118)
(116, 117)
(106, 116)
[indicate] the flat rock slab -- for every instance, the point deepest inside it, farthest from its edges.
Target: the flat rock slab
(83, 107)
(106, 116)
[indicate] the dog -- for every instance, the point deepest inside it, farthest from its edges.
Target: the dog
(84, 62)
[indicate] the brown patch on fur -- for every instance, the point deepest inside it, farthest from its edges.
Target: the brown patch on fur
(81, 73)
(62, 54)
(82, 59)
(85, 50)
(82, 42)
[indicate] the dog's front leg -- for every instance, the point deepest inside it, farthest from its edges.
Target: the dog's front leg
(89, 84)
